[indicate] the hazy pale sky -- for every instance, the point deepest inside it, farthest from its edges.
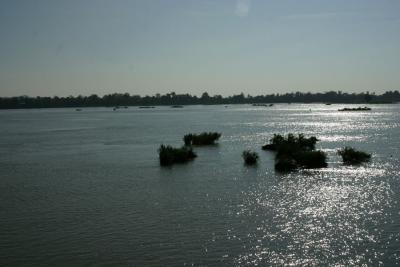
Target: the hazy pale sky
(71, 47)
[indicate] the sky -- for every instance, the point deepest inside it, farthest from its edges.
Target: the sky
(72, 47)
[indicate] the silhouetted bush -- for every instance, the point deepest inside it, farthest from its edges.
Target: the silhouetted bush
(291, 143)
(293, 152)
(169, 155)
(285, 164)
(201, 139)
(269, 147)
(250, 157)
(352, 156)
(311, 159)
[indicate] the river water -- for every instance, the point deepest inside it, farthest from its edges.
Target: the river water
(85, 188)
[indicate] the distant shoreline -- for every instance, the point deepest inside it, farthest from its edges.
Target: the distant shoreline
(172, 99)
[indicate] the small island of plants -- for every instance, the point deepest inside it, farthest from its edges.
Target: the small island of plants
(262, 105)
(351, 156)
(355, 109)
(202, 139)
(293, 152)
(250, 157)
(169, 155)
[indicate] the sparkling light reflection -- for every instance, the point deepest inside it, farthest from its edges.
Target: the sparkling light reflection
(334, 216)
(315, 218)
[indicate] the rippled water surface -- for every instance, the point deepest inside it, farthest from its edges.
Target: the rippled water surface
(86, 188)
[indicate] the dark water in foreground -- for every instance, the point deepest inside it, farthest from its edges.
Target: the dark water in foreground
(85, 188)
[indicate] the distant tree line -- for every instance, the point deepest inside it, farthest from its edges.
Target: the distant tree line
(172, 98)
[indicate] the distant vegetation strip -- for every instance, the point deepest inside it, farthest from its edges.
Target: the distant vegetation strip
(176, 100)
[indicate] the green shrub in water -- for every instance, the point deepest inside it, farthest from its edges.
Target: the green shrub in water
(250, 157)
(202, 139)
(293, 152)
(291, 142)
(169, 155)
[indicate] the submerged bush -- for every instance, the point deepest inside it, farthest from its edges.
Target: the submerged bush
(293, 152)
(250, 157)
(201, 139)
(352, 156)
(169, 155)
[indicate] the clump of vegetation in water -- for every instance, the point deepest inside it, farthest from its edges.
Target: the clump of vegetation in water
(169, 155)
(352, 156)
(250, 157)
(291, 143)
(294, 152)
(355, 109)
(285, 164)
(311, 159)
(202, 139)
